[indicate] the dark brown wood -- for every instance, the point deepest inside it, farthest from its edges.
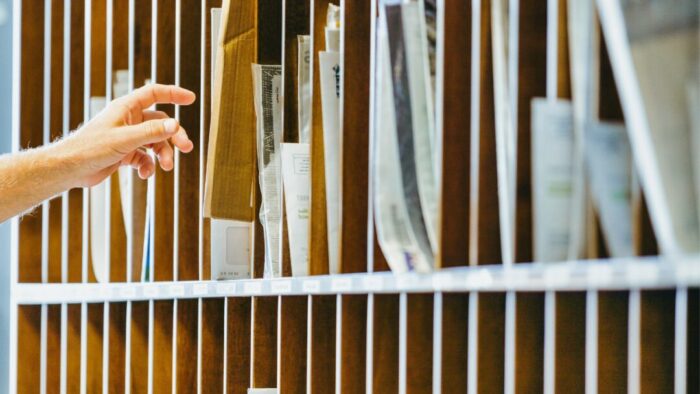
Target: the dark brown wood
(264, 352)
(296, 22)
(139, 347)
(529, 343)
(570, 353)
(31, 129)
(612, 341)
(318, 225)
(73, 347)
(491, 357)
(322, 361)
(28, 348)
(657, 341)
(117, 347)
(355, 136)
(53, 348)
(385, 351)
(693, 354)
(164, 58)
(453, 247)
(419, 343)
(238, 352)
(292, 348)
(213, 326)
(353, 343)
(95, 332)
(186, 345)
(455, 347)
(162, 346)
(269, 31)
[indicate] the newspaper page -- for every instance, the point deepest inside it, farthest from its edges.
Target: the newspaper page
(267, 81)
(296, 171)
(394, 232)
(552, 173)
(664, 39)
(609, 164)
(304, 90)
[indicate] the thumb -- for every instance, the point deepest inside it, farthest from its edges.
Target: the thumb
(149, 132)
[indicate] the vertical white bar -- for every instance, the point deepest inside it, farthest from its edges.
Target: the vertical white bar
(681, 344)
(550, 329)
(150, 206)
(473, 344)
(372, 131)
(202, 132)
(591, 374)
(338, 347)
(437, 343)
(403, 334)
(199, 345)
(279, 336)
(225, 345)
(369, 363)
(509, 373)
(174, 348)
(634, 345)
(552, 47)
(86, 199)
(45, 205)
(176, 194)
(474, 130)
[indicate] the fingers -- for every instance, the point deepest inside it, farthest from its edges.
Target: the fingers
(141, 161)
(144, 97)
(165, 154)
(155, 133)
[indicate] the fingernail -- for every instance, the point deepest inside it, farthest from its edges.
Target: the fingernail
(170, 126)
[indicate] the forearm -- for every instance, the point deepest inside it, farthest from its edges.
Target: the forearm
(30, 177)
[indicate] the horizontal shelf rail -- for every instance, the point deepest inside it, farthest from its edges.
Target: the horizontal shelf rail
(617, 274)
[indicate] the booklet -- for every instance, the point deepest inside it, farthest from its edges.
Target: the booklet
(296, 171)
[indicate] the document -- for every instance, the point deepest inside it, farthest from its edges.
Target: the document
(304, 90)
(552, 178)
(296, 171)
(267, 80)
(231, 249)
(609, 165)
(98, 212)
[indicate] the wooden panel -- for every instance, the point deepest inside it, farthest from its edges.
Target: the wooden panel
(419, 343)
(455, 320)
(31, 129)
(612, 341)
(318, 225)
(28, 348)
(292, 348)
(95, 331)
(238, 341)
(453, 248)
(322, 325)
(188, 174)
(139, 347)
(490, 356)
(385, 352)
(355, 136)
(264, 352)
(657, 340)
(162, 346)
(269, 31)
(353, 343)
(570, 353)
(296, 22)
(117, 347)
(53, 348)
(529, 342)
(56, 131)
(693, 354)
(164, 58)
(73, 346)
(186, 345)
(213, 326)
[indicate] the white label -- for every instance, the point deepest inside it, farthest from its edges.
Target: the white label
(199, 289)
(177, 290)
(252, 287)
(341, 284)
(311, 286)
(281, 286)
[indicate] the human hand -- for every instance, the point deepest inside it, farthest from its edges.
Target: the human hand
(120, 134)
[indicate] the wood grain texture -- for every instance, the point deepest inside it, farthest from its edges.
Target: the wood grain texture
(213, 326)
(570, 343)
(455, 347)
(28, 348)
(73, 347)
(162, 346)
(238, 346)
(453, 247)
(188, 172)
(296, 23)
(419, 343)
(164, 59)
(95, 332)
(292, 344)
(353, 343)
(318, 225)
(529, 343)
(31, 130)
(354, 160)
(385, 352)
(491, 340)
(657, 341)
(264, 352)
(323, 329)
(612, 341)
(139, 347)
(186, 345)
(117, 347)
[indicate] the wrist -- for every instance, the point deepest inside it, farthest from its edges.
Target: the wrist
(57, 166)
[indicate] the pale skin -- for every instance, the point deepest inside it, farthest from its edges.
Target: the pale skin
(119, 136)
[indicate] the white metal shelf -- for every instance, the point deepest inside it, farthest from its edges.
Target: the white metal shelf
(619, 274)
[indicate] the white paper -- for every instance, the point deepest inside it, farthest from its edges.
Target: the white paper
(231, 246)
(296, 166)
(304, 88)
(329, 69)
(98, 212)
(552, 148)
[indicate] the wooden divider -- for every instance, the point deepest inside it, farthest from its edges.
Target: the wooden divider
(139, 347)
(455, 342)
(385, 352)
(612, 341)
(419, 343)
(213, 350)
(28, 348)
(570, 353)
(95, 331)
(73, 346)
(238, 350)
(657, 341)
(292, 344)
(693, 355)
(263, 364)
(162, 346)
(186, 345)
